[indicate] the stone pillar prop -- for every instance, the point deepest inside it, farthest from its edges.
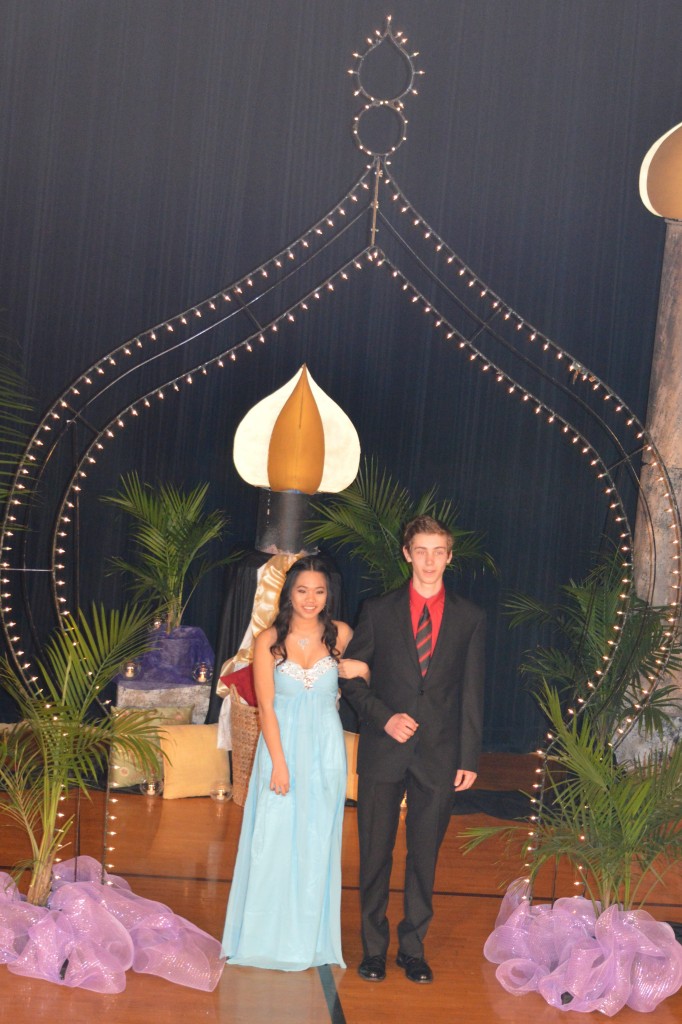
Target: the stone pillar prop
(654, 561)
(656, 571)
(661, 192)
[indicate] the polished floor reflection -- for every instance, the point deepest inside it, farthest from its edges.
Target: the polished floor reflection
(181, 852)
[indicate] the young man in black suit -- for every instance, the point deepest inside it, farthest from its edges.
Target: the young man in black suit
(420, 734)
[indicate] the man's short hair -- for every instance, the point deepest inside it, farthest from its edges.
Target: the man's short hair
(426, 524)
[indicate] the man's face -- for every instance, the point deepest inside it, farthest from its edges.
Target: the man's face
(428, 554)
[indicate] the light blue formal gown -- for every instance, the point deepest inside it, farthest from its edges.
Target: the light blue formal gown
(284, 909)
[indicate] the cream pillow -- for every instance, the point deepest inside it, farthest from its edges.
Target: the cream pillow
(193, 762)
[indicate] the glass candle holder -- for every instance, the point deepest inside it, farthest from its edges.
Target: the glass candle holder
(151, 787)
(203, 673)
(220, 791)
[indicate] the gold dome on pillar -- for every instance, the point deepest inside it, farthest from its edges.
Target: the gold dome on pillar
(660, 177)
(296, 450)
(297, 439)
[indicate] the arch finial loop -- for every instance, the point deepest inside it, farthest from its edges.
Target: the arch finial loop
(397, 40)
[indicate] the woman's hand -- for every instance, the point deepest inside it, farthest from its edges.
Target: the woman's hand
(279, 780)
(349, 668)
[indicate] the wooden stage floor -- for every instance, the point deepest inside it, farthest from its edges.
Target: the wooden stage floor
(181, 852)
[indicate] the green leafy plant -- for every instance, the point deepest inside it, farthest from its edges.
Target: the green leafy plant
(367, 519)
(65, 733)
(15, 410)
(170, 529)
(585, 623)
(616, 823)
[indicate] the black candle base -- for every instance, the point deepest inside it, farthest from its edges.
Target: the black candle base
(282, 521)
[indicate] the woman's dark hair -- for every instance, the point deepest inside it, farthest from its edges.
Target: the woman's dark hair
(309, 563)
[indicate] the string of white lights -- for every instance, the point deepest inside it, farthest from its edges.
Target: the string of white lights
(487, 328)
(475, 355)
(64, 517)
(249, 288)
(394, 103)
(527, 331)
(61, 415)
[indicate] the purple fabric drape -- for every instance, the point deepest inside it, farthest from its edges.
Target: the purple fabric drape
(92, 932)
(583, 962)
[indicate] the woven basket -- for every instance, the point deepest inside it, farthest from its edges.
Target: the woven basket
(245, 728)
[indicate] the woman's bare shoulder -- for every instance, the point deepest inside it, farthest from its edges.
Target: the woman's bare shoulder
(266, 639)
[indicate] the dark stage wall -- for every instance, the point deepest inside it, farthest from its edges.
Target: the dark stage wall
(151, 151)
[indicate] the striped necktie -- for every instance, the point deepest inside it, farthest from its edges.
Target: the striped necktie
(424, 639)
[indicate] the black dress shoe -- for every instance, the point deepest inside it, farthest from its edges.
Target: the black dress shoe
(416, 968)
(373, 968)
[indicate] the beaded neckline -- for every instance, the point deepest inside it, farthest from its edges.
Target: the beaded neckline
(307, 676)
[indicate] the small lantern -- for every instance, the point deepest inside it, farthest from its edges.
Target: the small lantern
(203, 673)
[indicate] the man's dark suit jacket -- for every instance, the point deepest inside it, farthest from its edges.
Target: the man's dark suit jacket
(447, 703)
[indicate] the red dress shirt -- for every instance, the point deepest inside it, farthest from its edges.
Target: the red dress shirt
(436, 605)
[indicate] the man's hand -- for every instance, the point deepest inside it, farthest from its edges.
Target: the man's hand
(402, 728)
(464, 779)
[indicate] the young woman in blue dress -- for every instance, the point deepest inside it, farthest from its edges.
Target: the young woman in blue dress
(284, 910)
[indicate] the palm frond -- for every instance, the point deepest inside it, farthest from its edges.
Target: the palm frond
(584, 624)
(15, 419)
(522, 608)
(367, 518)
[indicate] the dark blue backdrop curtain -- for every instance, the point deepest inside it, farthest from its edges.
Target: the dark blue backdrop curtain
(151, 151)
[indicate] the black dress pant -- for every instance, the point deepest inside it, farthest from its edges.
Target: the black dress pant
(428, 813)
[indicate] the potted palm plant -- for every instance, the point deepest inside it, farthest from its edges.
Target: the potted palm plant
(613, 820)
(65, 733)
(367, 519)
(61, 742)
(170, 530)
(616, 823)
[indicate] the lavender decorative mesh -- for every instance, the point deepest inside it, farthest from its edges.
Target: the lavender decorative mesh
(578, 961)
(91, 933)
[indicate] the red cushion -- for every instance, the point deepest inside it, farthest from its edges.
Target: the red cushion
(242, 680)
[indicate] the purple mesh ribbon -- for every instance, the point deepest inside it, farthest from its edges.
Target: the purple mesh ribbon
(91, 933)
(580, 962)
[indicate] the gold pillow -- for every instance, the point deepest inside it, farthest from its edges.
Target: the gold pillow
(193, 762)
(124, 769)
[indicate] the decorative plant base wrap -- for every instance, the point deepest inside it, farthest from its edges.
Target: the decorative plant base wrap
(91, 933)
(577, 961)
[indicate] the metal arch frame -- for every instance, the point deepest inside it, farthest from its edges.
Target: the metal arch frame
(494, 322)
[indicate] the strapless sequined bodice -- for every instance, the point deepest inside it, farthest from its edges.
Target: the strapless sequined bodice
(321, 678)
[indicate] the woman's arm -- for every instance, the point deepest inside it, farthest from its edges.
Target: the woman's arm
(264, 682)
(361, 696)
(343, 636)
(349, 668)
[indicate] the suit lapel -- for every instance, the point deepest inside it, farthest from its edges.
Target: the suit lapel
(404, 618)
